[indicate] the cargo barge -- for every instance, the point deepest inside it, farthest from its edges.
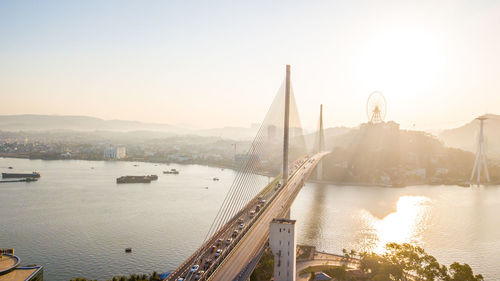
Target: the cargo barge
(19, 180)
(136, 179)
(20, 175)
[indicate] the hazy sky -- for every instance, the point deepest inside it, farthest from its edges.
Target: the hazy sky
(213, 64)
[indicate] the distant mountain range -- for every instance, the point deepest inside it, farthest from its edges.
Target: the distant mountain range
(30, 122)
(465, 137)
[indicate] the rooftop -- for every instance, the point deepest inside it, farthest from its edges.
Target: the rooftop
(8, 262)
(11, 271)
(283, 221)
(20, 273)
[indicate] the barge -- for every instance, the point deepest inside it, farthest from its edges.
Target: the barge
(136, 179)
(20, 175)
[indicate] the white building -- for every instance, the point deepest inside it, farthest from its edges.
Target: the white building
(283, 245)
(115, 152)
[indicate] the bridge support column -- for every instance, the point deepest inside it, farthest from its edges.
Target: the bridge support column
(286, 126)
(321, 144)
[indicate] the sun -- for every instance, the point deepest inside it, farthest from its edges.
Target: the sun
(400, 59)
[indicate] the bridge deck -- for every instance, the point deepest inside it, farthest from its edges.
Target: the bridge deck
(238, 255)
(255, 239)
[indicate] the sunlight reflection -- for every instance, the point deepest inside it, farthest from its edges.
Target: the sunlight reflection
(405, 225)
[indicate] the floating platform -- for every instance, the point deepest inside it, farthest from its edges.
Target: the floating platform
(136, 179)
(20, 175)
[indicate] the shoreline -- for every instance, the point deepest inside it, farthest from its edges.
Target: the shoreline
(221, 166)
(459, 184)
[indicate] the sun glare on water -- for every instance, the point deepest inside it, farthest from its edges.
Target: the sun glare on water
(405, 225)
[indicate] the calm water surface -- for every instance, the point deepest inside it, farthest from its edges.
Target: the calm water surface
(76, 221)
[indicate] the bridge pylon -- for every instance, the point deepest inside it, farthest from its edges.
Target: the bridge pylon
(321, 144)
(286, 125)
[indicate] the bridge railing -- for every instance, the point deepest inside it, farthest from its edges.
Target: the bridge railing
(214, 237)
(242, 234)
(214, 267)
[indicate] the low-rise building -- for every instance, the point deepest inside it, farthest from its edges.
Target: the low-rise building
(282, 241)
(117, 152)
(10, 270)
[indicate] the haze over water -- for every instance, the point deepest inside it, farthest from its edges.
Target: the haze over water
(76, 221)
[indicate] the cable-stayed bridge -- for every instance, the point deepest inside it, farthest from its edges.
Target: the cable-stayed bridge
(240, 230)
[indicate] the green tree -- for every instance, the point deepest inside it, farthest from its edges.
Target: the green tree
(463, 272)
(405, 261)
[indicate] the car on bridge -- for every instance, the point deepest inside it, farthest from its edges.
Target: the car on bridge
(240, 227)
(229, 240)
(218, 252)
(198, 275)
(194, 268)
(207, 264)
(235, 233)
(219, 242)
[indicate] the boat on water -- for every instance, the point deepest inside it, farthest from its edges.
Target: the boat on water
(134, 179)
(171, 172)
(215, 179)
(128, 250)
(20, 180)
(20, 175)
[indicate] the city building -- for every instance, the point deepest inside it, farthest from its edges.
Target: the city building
(117, 152)
(282, 241)
(11, 271)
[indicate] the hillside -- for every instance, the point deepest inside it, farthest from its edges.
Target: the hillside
(465, 137)
(45, 123)
(31, 122)
(384, 154)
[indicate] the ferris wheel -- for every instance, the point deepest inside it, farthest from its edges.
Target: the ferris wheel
(376, 107)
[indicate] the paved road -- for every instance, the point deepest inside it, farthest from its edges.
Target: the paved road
(324, 259)
(258, 235)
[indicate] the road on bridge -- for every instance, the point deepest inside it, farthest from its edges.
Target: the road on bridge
(256, 238)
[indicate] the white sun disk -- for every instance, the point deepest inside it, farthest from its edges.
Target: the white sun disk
(400, 59)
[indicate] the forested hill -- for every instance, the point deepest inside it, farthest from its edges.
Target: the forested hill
(384, 154)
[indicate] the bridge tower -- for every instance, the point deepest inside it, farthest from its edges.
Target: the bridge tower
(480, 160)
(321, 144)
(286, 125)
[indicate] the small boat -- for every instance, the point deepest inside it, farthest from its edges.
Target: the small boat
(30, 179)
(171, 172)
(128, 250)
(136, 165)
(10, 168)
(206, 187)
(215, 179)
